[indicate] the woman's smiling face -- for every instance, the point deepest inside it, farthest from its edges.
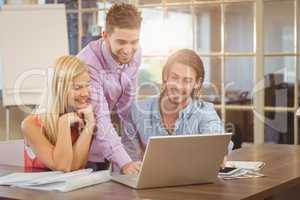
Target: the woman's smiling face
(79, 94)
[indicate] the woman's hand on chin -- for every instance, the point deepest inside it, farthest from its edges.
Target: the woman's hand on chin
(87, 115)
(71, 118)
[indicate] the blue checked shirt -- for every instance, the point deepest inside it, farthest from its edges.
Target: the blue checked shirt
(145, 121)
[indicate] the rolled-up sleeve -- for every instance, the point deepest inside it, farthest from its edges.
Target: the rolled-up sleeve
(130, 139)
(211, 123)
(107, 142)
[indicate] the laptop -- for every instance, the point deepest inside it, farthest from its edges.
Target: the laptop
(179, 160)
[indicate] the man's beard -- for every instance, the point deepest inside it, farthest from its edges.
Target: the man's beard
(120, 61)
(174, 100)
(177, 98)
(176, 103)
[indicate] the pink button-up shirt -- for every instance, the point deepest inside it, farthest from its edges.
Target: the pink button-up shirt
(113, 86)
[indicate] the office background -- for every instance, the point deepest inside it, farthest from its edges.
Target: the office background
(250, 49)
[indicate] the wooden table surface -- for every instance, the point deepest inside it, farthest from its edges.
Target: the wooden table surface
(282, 172)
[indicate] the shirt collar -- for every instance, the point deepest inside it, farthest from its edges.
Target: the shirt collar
(188, 110)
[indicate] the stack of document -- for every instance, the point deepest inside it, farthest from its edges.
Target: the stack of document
(56, 180)
(250, 165)
(245, 169)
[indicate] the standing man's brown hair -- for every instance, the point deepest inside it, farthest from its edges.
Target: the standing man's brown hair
(123, 16)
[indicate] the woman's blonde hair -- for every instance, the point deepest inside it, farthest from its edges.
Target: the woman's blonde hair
(55, 100)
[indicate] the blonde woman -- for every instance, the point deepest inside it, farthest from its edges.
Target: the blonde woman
(58, 137)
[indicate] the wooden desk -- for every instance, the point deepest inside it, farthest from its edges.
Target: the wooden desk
(282, 170)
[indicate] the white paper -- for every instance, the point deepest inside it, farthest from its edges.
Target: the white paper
(23, 177)
(74, 183)
(247, 169)
(55, 180)
(241, 174)
(251, 165)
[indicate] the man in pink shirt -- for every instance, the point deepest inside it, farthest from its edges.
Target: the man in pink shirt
(113, 65)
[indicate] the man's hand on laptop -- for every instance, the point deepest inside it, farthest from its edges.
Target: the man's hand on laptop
(132, 168)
